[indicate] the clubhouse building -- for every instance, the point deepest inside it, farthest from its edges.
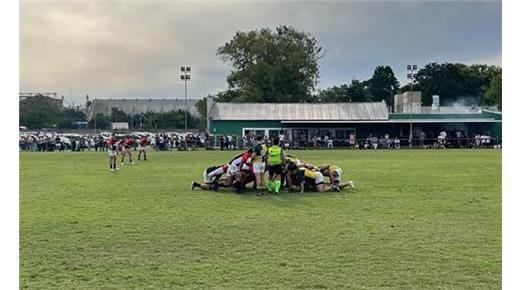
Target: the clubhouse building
(299, 122)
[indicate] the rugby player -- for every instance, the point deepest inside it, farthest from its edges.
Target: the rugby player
(309, 180)
(300, 163)
(237, 166)
(258, 162)
(211, 176)
(142, 148)
(111, 144)
(334, 173)
(127, 149)
(275, 164)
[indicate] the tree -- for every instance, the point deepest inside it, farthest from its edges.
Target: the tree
(477, 78)
(334, 94)
(68, 116)
(201, 106)
(38, 112)
(272, 66)
(446, 80)
(383, 84)
(493, 92)
(358, 91)
(99, 121)
(228, 96)
(455, 82)
(119, 115)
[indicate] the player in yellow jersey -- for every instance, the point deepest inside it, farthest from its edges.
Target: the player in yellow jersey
(309, 180)
(299, 162)
(275, 163)
(334, 173)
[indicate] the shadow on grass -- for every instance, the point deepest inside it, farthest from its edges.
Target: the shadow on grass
(284, 199)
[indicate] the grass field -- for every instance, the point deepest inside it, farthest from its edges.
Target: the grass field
(416, 220)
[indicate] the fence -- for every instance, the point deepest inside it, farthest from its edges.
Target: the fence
(235, 142)
(215, 142)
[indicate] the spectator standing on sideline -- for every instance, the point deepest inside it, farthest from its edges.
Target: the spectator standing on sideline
(352, 140)
(397, 143)
(374, 142)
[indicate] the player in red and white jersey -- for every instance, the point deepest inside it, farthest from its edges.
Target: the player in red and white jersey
(111, 144)
(126, 149)
(142, 148)
(239, 162)
(238, 169)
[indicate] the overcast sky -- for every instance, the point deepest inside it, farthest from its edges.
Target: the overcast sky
(134, 49)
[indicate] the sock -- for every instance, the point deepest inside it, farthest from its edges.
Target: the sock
(110, 165)
(277, 185)
(269, 185)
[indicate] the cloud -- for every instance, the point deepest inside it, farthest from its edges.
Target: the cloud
(135, 49)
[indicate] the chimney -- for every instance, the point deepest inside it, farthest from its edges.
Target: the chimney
(436, 103)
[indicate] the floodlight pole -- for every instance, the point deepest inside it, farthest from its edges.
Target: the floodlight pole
(185, 76)
(411, 68)
(185, 106)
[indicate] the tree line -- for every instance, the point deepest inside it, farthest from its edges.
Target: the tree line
(149, 120)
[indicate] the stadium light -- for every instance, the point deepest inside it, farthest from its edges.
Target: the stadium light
(411, 68)
(185, 77)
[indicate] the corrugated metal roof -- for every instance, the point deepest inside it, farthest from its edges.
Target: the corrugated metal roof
(300, 111)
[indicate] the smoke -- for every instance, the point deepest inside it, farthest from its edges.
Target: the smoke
(465, 101)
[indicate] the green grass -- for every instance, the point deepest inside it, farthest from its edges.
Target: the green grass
(417, 220)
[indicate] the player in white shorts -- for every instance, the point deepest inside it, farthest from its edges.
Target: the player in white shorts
(111, 144)
(211, 176)
(258, 159)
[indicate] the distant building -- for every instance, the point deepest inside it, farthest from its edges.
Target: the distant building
(138, 106)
